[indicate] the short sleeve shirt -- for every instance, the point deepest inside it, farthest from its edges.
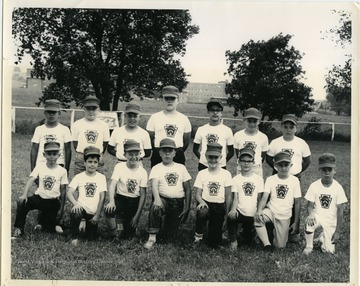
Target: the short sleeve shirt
(89, 188)
(213, 185)
(129, 181)
(171, 179)
(214, 134)
(171, 126)
(43, 134)
(50, 180)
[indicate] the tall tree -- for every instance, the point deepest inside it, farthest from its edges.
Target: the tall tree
(109, 52)
(266, 75)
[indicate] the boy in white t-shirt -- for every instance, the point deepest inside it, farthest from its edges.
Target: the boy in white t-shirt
(326, 199)
(127, 193)
(91, 186)
(89, 131)
(214, 132)
(131, 130)
(213, 195)
(253, 138)
(52, 186)
(284, 192)
(247, 190)
(170, 185)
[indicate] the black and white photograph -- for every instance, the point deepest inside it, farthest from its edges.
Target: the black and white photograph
(180, 143)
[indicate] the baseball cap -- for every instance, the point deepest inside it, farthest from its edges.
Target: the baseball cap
(91, 150)
(170, 90)
(167, 143)
(51, 146)
(213, 149)
(327, 160)
(289, 117)
(91, 101)
(214, 102)
(132, 108)
(52, 105)
(246, 151)
(131, 145)
(282, 157)
(252, 112)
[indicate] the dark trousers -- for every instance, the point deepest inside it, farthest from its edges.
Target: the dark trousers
(126, 208)
(203, 167)
(215, 215)
(156, 158)
(49, 208)
(90, 230)
(248, 233)
(172, 210)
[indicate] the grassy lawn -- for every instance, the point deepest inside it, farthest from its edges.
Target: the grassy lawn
(42, 256)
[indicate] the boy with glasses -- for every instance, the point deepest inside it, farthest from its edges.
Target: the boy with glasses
(214, 132)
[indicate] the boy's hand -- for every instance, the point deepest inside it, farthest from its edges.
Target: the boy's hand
(224, 226)
(77, 208)
(110, 207)
(233, 214)
(23, 199)
(259, 217)
(310, 220)
(95, 219)
(158, 205)
(335, 237)
(183, 216)
(134, 222)
(294, 228)
(202, 205)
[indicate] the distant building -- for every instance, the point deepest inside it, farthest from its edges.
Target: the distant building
(36, 83)
(196, 92)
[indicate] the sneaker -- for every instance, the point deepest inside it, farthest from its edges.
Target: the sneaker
(294, 238)
(149, 244)
(307, 250)
(17, 233)
(233, 246)
(268, 248)
(75, 242)
(82, 225)
(59, 229)
(38, 227)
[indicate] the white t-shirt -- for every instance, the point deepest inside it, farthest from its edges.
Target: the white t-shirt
(129, 181)
(49, 180)
(258, 142)
(120, 135)
(60, 134)
(171, 179)
(282, 195)
(89, 190)
(214, 134)
(171, 126)
(298, 148)
(326, 200)
(248, 189)
(213, 185)
(90, 133)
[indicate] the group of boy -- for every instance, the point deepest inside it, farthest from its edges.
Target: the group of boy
(223, 201)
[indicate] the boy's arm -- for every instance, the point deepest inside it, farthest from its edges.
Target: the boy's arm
(187, 189)
(33, 155)
(100, 206)
(227, 200)
(155, 191)
(111, 150)
(24, 196)
(230, 152)
(198, 197)
(75, 144)
(263, 156)
(105, 144)
(270, 160)
(62, 201)
(77, 208)
(135, 220)
(111, 205)
(186, 140)
(295, 226)
(235, 201)
(67, 155)
(236, 152)
(261, 206)
(152, 138)
(310, 219)
(339, 217)
(305, 163)
(196, 151)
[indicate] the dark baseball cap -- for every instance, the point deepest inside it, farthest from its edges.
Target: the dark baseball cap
(52, 105)
(170, 90)
(216, 102)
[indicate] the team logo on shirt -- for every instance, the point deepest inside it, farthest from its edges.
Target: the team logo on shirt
(91, 136)
(325, 201)
(281, 191)
(212, 138)
(170, 130)
(131, 185)
(48, 182)
(250, 144)
(290, 151)
(90, 189)
(50, 138)
(213, 188)
(171, 179)
(248, 189)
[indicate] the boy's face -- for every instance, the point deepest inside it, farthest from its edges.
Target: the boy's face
(51, 116)
(167, 155)
(327, 173)
(132, 119)
(252, 124)
(91, 112)
(133, 157)
(246, 162)
(283, 168)
(91, 164)
(213, 160)
(288, 129)
(215, 113)
(170, 102)
(51, 156)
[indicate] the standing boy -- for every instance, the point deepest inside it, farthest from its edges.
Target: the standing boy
(326, 199)
(213, 195)
(214, 132)
(299, 150)
(52, 186)
(171, 124)
(131, 130)
(89, 131)
(284, 192)
(253, 138)
(170, 185)
(92, 188)
(129, 182)
(247, 190)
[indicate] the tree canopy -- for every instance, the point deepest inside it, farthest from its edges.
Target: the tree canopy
(266, 75)
(106, 51)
